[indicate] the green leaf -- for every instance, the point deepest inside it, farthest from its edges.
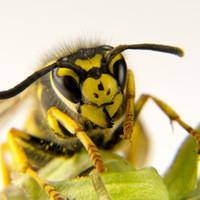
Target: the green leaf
(143, 184)
(122, 181)
(181, 178)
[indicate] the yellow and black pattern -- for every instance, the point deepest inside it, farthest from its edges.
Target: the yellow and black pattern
(85, 98)
(91, 96)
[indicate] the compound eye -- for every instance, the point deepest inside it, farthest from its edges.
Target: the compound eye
(67, 82)
(118, 68)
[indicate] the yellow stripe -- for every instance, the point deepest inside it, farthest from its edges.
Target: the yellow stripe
(114, 60)
(67, 72)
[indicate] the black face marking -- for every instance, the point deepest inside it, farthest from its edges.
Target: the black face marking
(100, 86)
(108, 118)
(108, 92)
(96, 95)
(85, 53)
(64, 62)
(95, 72)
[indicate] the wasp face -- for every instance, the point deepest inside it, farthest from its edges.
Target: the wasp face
(95, 83)
(100, 91)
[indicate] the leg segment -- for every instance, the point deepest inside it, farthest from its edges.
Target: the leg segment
(173, 116)
(129, 119)
(55, 115)
(23, 166)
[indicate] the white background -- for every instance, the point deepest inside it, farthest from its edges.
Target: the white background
(30, 29)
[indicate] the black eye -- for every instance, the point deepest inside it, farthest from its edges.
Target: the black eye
(119, 72)
(68, 86)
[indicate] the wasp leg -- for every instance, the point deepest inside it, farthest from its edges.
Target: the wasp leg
(4, 168)
(55, 116)
(23, 166)
(130, 106)
(173, 116)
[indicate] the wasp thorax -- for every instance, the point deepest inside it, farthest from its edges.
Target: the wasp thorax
(99, 91)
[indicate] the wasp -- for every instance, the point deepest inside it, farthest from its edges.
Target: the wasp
(83, 99)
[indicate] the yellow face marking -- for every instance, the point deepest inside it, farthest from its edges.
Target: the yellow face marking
(99, 91)
(112, 109)
(88, 64)
(114, 60)
(94, 114)
(67, 72)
